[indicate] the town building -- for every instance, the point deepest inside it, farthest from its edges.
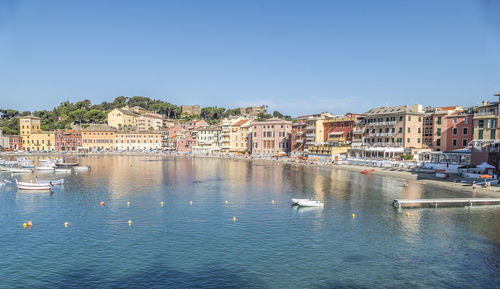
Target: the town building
(459, 131)
(169, 137)
(339, 129)
(39, 141)
(184, 141)
(138, 140)
(15, 142)
(298, 138)
(189, 110)
(98, 137)
(29, 124)
(315, 132)
(271, 137)
(69, 140)
(435, 126)
(486, 124)
(195, 123)
(135, 118)
(208, 140)
(234, 134)
(253, 110)
(4, 140)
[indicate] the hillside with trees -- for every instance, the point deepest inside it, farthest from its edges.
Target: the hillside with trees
(84, 112)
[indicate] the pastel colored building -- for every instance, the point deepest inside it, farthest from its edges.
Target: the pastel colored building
(122, 119)
(15, 142)
(98, 137)
(435, 126)
(149, 122)
(184, 141)
(486, 123)
(235, 134)
(169, 137)
(195, 123)
(271, 137)
(40, 141)
(298, 138)
(208, 140)
(138, 140)
(68, 140)
(459, 132)
(135, 118)
(339, 129)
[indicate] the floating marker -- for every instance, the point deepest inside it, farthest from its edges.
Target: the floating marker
(272, 202)
(227, 202)
(102, 204)
(30, 224)
(190, 202)
(234, 219)
(128, 204)
(24, 225)
(161, 204)
(130, 222)
(353, 216)
(407, 214)
(66, 224)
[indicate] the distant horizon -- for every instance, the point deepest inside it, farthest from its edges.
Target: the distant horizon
(296, 57)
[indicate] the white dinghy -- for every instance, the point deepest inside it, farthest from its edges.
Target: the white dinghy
(33, 186)
(310, 203)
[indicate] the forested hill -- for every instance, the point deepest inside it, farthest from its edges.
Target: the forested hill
(84, 111)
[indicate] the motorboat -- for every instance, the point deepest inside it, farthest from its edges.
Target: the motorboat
(44, 168)
(29, 166)
(367, 171)
(21, 171)
(296, 201)
(66, 165)
(33, 186)
(53, 182)
(309, 203)
(61, 170)
(81, 168)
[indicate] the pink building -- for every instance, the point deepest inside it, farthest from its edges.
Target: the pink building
(459, 131)
(68, 140)
(169, 137)
(271, 137)
(184, 141)
(195, 124)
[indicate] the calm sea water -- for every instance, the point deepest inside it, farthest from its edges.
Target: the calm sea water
(269, 246)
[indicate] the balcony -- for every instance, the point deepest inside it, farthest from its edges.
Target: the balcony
(486, 114)
(357, 131)
(299, 141)
(311, 127)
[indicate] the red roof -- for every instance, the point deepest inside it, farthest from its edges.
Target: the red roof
(447, 107)
(240, 122)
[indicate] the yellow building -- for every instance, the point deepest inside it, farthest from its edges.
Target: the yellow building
(486, 122)
(40, 141)
(98, 137)
(34, 139)
(122, 119)
(235, 133)
(138, 140)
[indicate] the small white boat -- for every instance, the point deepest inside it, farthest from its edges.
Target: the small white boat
(21, 171)
(44, 168)
(296, 201)
(53, 182)
(67, 171)
(310, 203)
(33, 186)
(81, 168)
(2, 184)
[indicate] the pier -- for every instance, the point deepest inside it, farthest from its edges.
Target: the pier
(448, 202)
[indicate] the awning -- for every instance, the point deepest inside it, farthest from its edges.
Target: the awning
(336, 133)
(485, 166)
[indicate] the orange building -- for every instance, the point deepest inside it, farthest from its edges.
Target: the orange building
(98, 137)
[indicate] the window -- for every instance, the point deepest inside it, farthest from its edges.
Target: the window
(464, 142)
(409, 117)
(408, 140)
(419, 130)
(419, 118)
(439, 120)
(493, 131)
(455, 130)
(418, 140)
(454, 142)
(465, 131)
(400, 130)
(480, 134)
(438, 142)
(466, 120)
(393, 130)
(408, 130)
(480, 123)
(439, 131)
(400, 118)
(454, 120)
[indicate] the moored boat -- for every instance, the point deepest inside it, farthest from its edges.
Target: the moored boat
(53, 182)
(21, 171)
(81, 168)
(309, 203)
(367, 171)
(66, 165)
(62, 170)
(32, 186)
(44, 168)
(296, 201)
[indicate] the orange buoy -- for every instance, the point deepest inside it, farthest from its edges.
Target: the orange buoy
(30, 224)
(102, 204)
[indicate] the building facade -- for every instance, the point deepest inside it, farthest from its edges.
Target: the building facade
(298, 138)
(459, 132)
(138, 140)
(271, 137)
(98, 137)
(68, 140)
(486, 123)
(208, 140)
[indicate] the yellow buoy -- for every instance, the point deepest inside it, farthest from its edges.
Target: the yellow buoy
(24, 225)
(190, 202)
(66, 224)
(272, 202)
(128, 204)
(407, 214)
(130, 222)
(353, 216)
(227, 202)
(161, 204)
(234, 219)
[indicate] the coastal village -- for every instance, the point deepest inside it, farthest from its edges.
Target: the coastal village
(451, 136)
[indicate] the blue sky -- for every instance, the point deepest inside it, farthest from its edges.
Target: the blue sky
(298, 57)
